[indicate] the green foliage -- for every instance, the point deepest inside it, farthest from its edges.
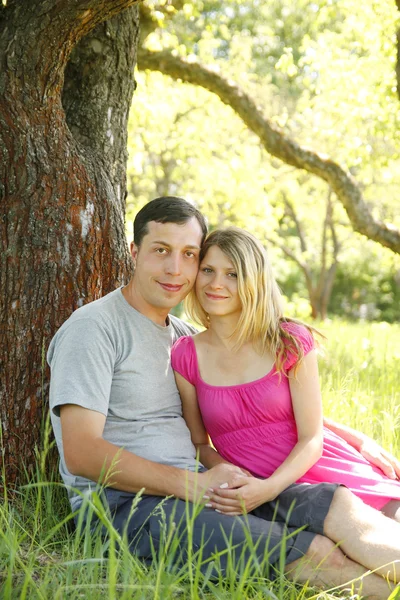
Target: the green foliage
(367, 284)
(364, 288)
(198, 149)
(268, 34)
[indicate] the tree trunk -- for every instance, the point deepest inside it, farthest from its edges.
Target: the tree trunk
(62, 188)
(314, 308)
(327, 290)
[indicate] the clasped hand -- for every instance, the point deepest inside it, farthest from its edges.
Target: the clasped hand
(240, 495)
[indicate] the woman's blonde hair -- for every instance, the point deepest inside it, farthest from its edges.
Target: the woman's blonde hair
(261, 318)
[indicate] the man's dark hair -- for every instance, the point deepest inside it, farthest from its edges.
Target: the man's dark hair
(167, 209)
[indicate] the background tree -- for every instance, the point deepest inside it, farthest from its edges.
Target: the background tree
(62, 185)
(173, 62)
(327, 79)
(318, 271)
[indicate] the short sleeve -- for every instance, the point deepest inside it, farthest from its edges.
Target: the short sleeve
(304, 338)
(82, 358)
(184, 359)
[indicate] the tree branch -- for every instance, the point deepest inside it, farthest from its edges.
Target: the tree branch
(276, 142)
(290, 254)
(149, 19)
(299, 228)
(335, 242)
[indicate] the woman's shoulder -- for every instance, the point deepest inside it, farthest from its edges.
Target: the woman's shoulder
(183, 358)
(302, 335)
(294, 327)
(182, 344)
(298, 330)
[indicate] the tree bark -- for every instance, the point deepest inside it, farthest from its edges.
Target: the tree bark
(62, 187)
(276, 142)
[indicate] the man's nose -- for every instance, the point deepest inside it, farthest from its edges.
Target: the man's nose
(173, 266)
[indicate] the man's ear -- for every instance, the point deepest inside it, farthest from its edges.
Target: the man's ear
(134, 252)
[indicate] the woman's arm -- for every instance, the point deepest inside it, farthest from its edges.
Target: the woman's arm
(191, 413)
(370, 449)
(351, 436)
(307, 408)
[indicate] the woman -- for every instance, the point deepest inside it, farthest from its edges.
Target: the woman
(254, 377)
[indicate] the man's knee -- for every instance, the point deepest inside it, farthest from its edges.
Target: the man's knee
(323, 553)
(322, 557)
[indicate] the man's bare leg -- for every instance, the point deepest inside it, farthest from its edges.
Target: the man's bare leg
(364, 534)
(325, 566)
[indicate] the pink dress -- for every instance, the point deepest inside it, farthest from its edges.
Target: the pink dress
(252, 425)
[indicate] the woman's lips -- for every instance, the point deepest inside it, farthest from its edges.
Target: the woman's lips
(215, 296)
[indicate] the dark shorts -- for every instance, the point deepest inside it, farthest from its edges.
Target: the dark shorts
(274, 534)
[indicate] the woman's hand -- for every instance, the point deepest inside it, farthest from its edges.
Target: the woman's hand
(379, 457)
(243, 496)
(200, 484)
(371, 450)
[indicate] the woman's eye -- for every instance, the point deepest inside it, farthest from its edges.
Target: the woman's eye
(206, 270)
(232, 275)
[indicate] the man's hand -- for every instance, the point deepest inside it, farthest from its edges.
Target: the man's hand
(242, 496)
(379, 457)
(223, 474)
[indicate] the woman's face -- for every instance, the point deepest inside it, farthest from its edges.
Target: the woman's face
(216, 284)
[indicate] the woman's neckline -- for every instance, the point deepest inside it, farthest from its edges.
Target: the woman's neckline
(270, 373)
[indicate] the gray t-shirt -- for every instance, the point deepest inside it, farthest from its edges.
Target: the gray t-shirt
(110, 358)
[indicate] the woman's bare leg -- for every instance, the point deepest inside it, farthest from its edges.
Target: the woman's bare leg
(364, 534)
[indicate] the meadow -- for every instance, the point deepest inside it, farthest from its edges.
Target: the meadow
(43, 556)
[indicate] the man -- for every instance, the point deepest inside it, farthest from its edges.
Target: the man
(117, 418)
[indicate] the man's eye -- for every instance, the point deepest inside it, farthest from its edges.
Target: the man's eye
(190, 254)
(161, 250)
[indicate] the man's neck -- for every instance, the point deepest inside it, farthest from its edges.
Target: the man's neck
(134, 298)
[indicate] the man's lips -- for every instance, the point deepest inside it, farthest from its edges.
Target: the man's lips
(171, 287)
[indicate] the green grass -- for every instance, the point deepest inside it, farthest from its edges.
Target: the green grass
(360, 378)
(42, 556)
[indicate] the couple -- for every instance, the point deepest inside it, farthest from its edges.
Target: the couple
(117, 417)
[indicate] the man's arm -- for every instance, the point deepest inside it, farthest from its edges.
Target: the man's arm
(89, 455)
(372, 451)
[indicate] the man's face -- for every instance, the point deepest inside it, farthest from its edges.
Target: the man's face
(166, 265)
